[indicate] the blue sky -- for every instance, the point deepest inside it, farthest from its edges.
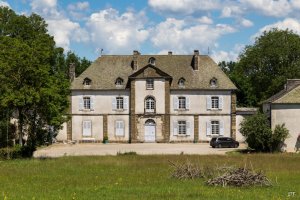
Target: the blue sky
(221, 28)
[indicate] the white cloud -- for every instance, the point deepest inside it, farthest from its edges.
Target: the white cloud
(276, 8)
(205, 20)
(246, 22)
(183, 6)
(232, 55)
(61, 27)
(4, 4)
(79, 6)
(179, 36)
(42, 4)
(289, 23)
(117, 33)
(231, 11)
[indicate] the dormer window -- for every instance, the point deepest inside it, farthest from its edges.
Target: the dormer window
(119, 82)
(152, 61)
(213, 82)
(87, 82)
(181, 82)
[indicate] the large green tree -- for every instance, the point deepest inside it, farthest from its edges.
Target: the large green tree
(32, 80)
(263, 67)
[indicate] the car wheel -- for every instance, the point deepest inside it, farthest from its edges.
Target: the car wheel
(236, 146)
(219, 146)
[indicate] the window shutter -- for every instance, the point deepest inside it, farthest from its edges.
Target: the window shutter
(221, 128)
(188, 128)
(114, 103)
(92, 102)
(220, 102)
(187, 102)
(81, 103)
(208, 128)
(175, 128)
(175, 102)
(208, 102)
(126, 103)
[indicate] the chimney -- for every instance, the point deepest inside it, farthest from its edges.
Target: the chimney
(169, 53)
(291, 83)
(134, 62)
(196, 60)
(72, 71)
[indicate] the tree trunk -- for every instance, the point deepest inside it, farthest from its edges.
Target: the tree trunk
(20, 126)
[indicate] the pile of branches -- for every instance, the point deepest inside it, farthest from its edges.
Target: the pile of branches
(240, 177)
(186, 171)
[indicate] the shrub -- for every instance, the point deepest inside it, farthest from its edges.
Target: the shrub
(16, 152)
(257, 131)
(278, 137)
(259, 135)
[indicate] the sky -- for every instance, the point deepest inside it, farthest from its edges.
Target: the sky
(219, 28)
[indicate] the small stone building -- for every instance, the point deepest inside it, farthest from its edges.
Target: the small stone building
(284, 108)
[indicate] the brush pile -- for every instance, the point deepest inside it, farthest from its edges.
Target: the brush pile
(185, 170)
(240, 177)
(219, 175)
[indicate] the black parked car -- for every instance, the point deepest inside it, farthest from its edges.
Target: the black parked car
(220, 142)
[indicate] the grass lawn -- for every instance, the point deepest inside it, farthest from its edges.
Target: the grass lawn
(140, 177)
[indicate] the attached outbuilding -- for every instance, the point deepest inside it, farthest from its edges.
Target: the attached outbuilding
(284, 108)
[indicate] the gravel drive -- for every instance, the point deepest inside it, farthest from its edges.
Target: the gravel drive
(58, 150)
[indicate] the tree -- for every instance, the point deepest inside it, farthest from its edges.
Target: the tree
(81, 64)
(264, 66)
(32, 82)
(259, 135)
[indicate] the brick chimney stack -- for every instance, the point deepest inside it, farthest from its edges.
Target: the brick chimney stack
(72, 71)
(135, 62)
(196, 60)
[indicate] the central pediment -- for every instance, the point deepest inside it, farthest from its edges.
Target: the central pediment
(150, 71)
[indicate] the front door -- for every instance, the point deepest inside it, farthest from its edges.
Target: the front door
(150, 131)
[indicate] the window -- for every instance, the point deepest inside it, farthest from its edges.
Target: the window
(213, 82)
(87, 102)
(181, 82)
(150, 104)
(152, 61)
(181, 102)
(119, 127)
(87, 82)
(149, 84)
(182, 127)
(215, 127)
(119, 82)
(214, 102)
(120, 103)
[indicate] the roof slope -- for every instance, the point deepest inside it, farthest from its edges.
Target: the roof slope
(106, 69)
(292, 96)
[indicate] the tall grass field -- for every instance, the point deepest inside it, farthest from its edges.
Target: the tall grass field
(129, 177)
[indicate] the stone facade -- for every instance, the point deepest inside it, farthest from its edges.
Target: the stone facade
(166, 98)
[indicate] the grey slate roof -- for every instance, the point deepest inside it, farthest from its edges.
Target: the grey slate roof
(106, 69)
